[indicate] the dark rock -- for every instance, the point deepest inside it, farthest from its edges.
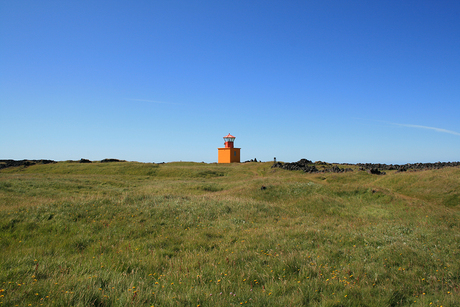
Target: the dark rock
(85, 161)
(252, 160)
(308, 167)
(15, 163)
(408, 166)
(112, 160)
(375, 171)
(301, 165)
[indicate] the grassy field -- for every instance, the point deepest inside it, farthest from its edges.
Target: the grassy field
(195, 234)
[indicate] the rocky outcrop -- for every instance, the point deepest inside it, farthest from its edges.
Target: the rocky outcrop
(252, 160)
(308, 167)
(375, 171)
(111, 160)
(406, 167)
(15, 163)
(372, 168)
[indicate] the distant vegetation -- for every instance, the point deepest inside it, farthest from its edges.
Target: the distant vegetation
(196, 234)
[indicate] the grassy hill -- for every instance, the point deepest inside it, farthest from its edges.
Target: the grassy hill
(189, 234)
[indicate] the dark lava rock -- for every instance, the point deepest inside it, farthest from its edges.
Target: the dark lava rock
(375, 171)
(372, 168)
(112, 160)
(15, 163)
(308, 167)
(85, 161)
(336, 169)
(407, 166)
(301, 165)
(252, 160)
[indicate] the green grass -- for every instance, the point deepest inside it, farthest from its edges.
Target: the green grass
(189, 234)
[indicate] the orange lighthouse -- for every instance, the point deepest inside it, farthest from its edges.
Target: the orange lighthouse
(228, 154)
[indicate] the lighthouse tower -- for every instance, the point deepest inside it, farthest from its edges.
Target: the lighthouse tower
(228, 154)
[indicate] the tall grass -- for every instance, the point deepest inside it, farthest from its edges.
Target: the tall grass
(189, 234)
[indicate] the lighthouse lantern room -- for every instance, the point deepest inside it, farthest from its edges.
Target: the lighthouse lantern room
(229, 153)
(229, 139)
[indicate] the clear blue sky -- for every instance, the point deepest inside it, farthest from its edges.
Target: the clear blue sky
(153, 81)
